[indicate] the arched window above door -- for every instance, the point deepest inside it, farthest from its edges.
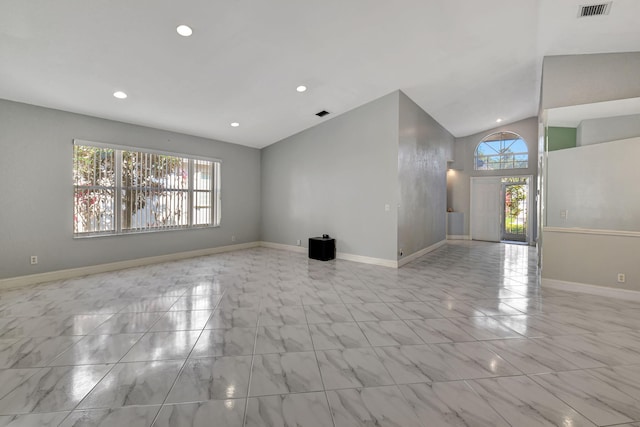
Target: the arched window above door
(501, 150)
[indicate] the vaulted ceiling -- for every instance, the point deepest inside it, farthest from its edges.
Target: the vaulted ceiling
(467, 63)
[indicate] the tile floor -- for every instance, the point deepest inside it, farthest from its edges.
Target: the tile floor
(464, 336)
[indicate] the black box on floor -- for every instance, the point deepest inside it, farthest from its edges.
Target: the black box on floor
(322, 248)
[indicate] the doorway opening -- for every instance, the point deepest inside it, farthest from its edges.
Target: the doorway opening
(515, 212)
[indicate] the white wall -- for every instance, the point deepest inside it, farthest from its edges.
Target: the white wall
(584, 79)
(581, 256)
(424, 148)
(597, 185)
(36, 161)
(464, 150)
(595, 131)
(593, 259)
(336, 178)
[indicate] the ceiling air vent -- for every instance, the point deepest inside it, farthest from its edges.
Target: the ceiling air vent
(322, 113)
(594, 10)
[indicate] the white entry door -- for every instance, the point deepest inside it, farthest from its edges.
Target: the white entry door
(485, 209)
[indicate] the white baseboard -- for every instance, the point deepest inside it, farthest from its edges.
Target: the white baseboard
(32, 279)
(367, 260)
(420, 253)
(591, 289)
(290, 248)
(458, 237)
(339, 255)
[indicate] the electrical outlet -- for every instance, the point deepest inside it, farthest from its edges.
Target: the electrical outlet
(34, 259)
(621, 278)
(233, 238)
(299, 242)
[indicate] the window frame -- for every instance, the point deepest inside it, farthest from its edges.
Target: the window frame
(118, 187)
(500, 156)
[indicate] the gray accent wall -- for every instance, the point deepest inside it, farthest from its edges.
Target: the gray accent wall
(37, 194)
(424, 148)
(464, 150)
(336, 179)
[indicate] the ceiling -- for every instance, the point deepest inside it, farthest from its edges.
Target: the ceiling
(466, 63)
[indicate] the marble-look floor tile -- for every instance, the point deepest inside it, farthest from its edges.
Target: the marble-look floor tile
(50, 326)
(538, 326)
(195, 303)
(371, 312)
(163, 346)
(215, 378)
(139, 383)
(313, 297)
(329, 336)
(127, 323)
(276, 316)
(233, 318)
(11, 378)
(521, 401)
(285, 373)
(34, 352)
(226, 413)
(455, 308)
(395, 295)
(349, 296)
(182, 321)
(391, 332)
(456, 361)
(130, 416)
(495, 307)
(602, 403)
(327, 313)
(150, 304)
(280, 299)
(450, 404)
(225, 342)
(283, 339)
(413, 310)
(32, 420)
(438, 331)
(230, 300)
(624, 378)
(53, 389)
(484, 328)
(376, 406)
(589, 351)
(408, 364)
(529, 356)
(352, 368)
(95, 349)
(300, 410)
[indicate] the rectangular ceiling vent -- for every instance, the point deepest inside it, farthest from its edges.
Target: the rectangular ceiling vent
(322, 113)
(594, 10)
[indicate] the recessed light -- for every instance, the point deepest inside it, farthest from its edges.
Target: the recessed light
(301, 88)
(235, 124)
(498, 121)
(184, 30)
(120, 94)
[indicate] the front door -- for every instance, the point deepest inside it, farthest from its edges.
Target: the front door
(485, 208)
(515, 203)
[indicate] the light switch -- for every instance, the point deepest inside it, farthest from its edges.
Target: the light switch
(387, 207)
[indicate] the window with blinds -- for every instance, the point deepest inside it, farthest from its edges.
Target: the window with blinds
(121, 190)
